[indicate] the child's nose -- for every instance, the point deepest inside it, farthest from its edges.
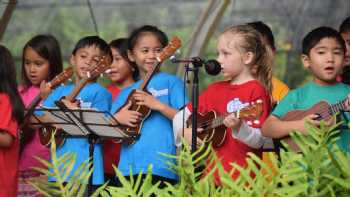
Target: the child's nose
(152, 54)
(32, 68)
(331, 57)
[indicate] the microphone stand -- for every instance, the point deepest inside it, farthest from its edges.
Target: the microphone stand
(196, 62)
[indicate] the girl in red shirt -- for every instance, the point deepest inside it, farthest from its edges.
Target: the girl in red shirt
(246, 67)
(11, 114)
(122, 74)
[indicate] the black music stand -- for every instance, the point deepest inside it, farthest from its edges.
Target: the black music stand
(84, 123)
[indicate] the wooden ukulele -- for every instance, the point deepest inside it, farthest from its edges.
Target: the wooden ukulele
(214, 130)
(46, 132)
(170, 49)
(322, 109)
(27, 132)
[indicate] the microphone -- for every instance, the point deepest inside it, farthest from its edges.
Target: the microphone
(212, 67)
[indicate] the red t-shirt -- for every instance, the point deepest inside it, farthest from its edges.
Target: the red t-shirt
(111, 150)
(225, 98)
(8, 156)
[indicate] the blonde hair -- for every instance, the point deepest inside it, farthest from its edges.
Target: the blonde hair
(252, 41)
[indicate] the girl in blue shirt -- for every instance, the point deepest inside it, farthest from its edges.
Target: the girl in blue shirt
(165, 97)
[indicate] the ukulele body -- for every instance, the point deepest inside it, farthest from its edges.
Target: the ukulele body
(300, 114)
(134, 132)
(214, 135)
(45, 134)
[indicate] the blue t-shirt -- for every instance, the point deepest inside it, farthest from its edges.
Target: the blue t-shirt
(91, 96)
(156, 133)
(312, 93)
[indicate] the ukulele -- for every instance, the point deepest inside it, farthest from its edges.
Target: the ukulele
(46, 132)
(27, 132)
(214, 130)
(170, 49)
(322, 109)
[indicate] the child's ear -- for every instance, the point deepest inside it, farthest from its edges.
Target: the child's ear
(248, 58)
(72, 60)
(305, 59)
(131, 56)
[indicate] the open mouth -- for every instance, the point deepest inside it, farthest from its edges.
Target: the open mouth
(329, 69)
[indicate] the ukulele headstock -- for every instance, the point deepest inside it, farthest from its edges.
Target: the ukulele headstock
(170, 49)
(251, 112)
(102, 65)
(62, 77)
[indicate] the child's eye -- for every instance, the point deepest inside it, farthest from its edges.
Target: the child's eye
(338, 52)
(158, 50)
(321, 52)
(144, 51)
(38, 63)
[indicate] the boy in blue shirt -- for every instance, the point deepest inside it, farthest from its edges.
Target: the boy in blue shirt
(85, 55)
(323, 54)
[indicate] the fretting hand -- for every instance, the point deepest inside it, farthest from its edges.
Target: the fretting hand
(45, 89)
(146, 99)
(347, 104)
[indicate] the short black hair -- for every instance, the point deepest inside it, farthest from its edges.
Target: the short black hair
(265, 31)
(316, 35)
(121, 45)
(345, 26)
(93, 41)
(137, 33)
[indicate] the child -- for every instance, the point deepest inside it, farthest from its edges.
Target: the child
(244, 59)
(41, 61)
(323, 54)
(93, 95)
(145, 45)
(344, 31)
(123, 73)
(11, 113)
(279, 89)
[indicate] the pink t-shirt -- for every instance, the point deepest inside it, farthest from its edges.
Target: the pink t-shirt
(34, 147)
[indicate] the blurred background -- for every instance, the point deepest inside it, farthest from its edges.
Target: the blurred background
(196, 22)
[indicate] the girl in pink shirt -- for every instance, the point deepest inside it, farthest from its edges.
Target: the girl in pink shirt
(41, 62)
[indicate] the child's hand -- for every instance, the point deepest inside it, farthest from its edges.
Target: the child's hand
(188, 136)
(144, 98)
(45, 89)
(231, 121)
(69, 104)
(128, 117)
(347, 104)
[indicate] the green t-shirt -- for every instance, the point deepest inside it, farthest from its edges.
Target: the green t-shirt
(312, 93)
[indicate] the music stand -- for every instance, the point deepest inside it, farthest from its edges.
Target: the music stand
(84, 123)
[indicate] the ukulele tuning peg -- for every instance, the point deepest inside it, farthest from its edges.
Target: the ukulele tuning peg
(259, 101)
(256, 122)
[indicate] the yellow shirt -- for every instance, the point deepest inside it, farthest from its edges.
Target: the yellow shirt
(279, 89)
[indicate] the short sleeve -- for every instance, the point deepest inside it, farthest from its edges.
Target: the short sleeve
(178, 96)
(50, 100)
(103, 100)
(287, 104)
(7, 123)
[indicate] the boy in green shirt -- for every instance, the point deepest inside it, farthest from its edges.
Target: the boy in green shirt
(323, 54)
